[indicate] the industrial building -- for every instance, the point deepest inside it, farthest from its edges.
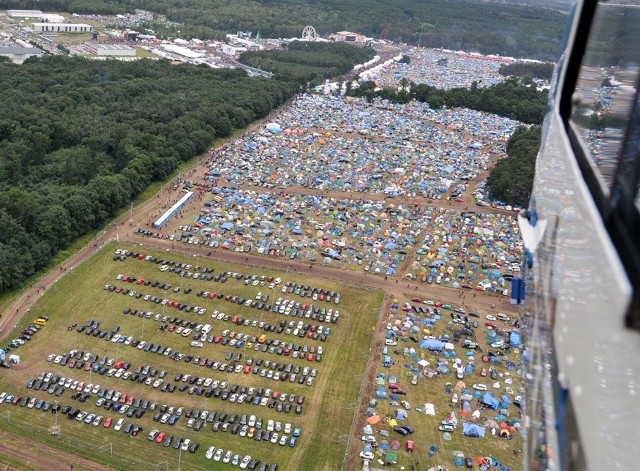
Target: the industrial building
(111, 50)
(62, 27)
(19, 54)
(26, 14)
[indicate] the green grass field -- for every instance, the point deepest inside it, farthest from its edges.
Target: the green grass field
(80, 296)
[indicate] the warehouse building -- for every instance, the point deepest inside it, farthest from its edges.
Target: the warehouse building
(26, 14)
(19, 54)
(112, 50)
(62, 27)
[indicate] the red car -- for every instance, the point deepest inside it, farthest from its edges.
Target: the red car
(490, 324)
(160, 438)
(247, 369)
(107, 423)
(310, 357)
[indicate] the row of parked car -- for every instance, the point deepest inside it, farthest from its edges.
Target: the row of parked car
(167, 440)
(26, 335)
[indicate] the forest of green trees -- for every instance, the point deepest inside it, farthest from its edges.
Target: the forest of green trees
(80, 139)
(532, 31)
(307, 62)
(514, 98)
(511, 180)
(539, 70)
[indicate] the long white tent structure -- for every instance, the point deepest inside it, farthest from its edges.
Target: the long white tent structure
(162, 220)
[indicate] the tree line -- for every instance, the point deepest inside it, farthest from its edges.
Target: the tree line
(511, 180)
(308, 62)
(505, 28)
(80, 139)
(513, 98)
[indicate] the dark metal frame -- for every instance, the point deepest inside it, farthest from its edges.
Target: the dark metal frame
(617, 207)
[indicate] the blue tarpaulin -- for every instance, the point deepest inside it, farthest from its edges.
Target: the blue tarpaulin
(473, 430)
(432, 344)
(514, 338)
(491, 401)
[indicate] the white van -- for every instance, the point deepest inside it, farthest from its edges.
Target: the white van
(206, 329)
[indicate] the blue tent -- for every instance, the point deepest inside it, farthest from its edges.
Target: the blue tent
(227, 225)
(473, 430)
(514, 339)
(432, 344)
(490, 401)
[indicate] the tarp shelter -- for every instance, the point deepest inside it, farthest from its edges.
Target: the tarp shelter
(368, 430)
(490, 401)
(432, 344)
(473, 430)
(514, 338)
(391, 458)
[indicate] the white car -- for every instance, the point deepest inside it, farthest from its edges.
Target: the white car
(245, 462)
(480, 387)
(51, 357)
(490, 317)
(218, 454)
(209, 454)
(368, 439)
(119, 425)
(197, 344)
(367, 455)
(185, 444)
(275, 437)
(406, 405)
(227, 457)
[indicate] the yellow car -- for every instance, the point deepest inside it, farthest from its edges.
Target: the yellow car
(262, 339)
(40, 321)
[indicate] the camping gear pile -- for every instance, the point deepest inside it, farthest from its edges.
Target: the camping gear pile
(442, 69)
(314, 144)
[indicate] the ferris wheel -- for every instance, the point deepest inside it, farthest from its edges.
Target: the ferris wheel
(309, 33)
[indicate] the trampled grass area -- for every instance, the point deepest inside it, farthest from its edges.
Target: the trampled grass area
(80, 296)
